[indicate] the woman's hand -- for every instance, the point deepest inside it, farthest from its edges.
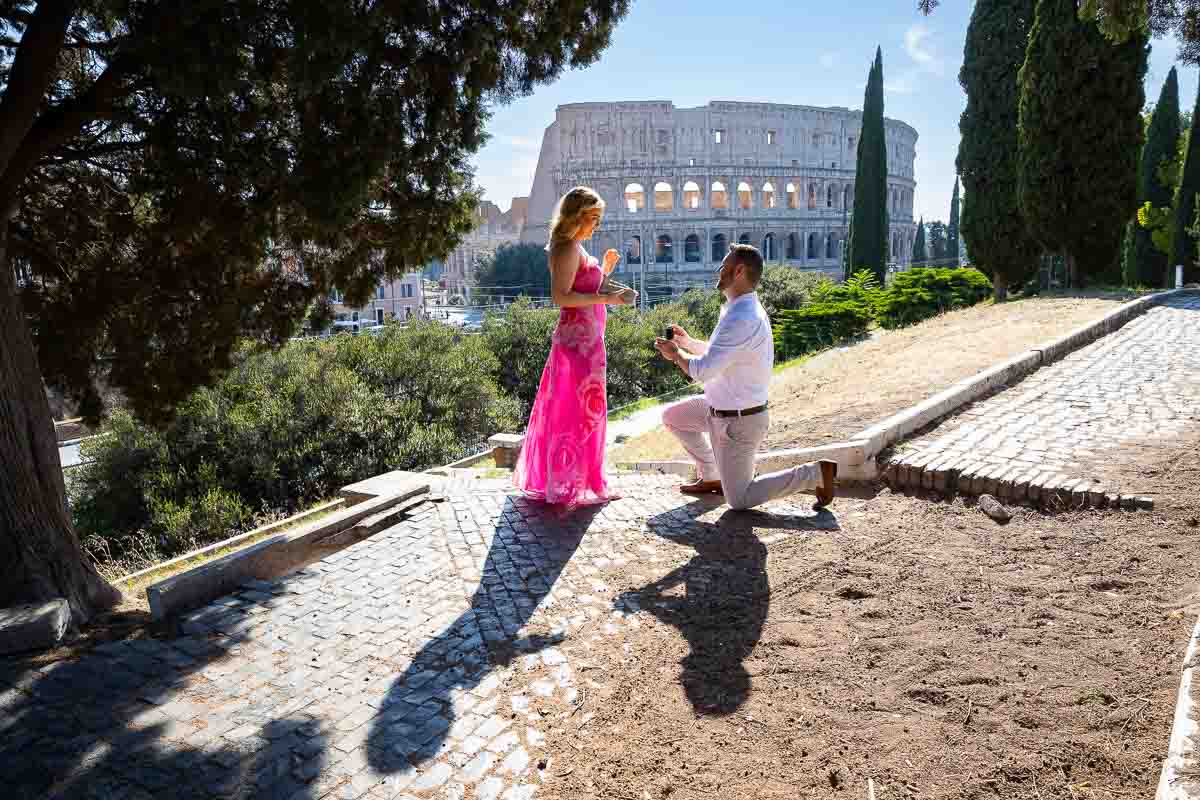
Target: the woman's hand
(625, 297)
(611, 257)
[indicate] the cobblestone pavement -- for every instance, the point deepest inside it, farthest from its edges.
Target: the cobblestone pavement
(430, 660)
(1138, 385)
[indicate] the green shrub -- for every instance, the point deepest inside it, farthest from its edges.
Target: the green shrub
(783, 287)
(703, 306)
(281, 431)
(861, 288)
(521, 340)
(919, 294)
(818, 326)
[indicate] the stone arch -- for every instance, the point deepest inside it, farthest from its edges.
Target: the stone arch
(664, 197)
(663, 250)
(768, 195)
(768, 247)
(793, 196)
(811, 249)
(635, 198)
(720, 246)
(829, 196)
(633, 250)
(718, 197)
(744, 239)
(791, 249)
(829, 245)
(691, 249)
(691, 195)
(745, 195)
(812, 196)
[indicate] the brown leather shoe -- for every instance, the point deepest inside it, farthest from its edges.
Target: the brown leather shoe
(825, 491)
(701, 487)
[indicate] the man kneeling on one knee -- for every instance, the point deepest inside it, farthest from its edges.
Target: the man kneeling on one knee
(735, 368)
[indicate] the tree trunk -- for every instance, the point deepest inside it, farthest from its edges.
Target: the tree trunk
(1000, 288)
(1072, 272)
(40, 556)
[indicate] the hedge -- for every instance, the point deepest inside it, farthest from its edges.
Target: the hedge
(818, 325)
(919, 294)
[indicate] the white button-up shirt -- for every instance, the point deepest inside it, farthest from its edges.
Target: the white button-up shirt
(736, 365)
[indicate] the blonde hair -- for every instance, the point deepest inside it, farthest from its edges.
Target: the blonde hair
(569, 213)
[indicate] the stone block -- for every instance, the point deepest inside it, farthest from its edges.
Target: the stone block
(506, 447)
(33, 627)
(394, 483)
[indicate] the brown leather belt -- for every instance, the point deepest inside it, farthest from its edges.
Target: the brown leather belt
(745, 412)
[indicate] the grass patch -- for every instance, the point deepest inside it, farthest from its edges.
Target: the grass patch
(624, 412)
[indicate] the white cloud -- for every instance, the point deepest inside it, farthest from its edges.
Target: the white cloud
(917, 47)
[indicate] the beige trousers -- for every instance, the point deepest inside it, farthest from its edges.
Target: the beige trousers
(728, 454)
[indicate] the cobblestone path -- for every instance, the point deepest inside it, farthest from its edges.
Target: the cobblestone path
(1136, 386)
(430, 660)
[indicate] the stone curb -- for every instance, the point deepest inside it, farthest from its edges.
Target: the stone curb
(926, 470)
(241, 537)
(850, 457)
(271, 557)
(1174, 783)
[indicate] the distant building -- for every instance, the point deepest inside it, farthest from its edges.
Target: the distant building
(682, 184)
(493, 229)
(396, 300)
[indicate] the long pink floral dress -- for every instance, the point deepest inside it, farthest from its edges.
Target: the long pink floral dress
(562, 460)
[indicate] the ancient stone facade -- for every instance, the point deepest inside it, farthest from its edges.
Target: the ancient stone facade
(682, 184)
(494, 228)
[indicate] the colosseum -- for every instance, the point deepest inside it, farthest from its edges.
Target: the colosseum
(681, 184)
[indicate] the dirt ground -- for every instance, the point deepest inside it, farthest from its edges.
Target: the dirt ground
(910, 642)
(837, 394)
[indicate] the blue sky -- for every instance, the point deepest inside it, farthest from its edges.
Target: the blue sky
(812, 53)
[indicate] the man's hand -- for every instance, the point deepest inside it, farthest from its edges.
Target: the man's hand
(668, 350)
(683, 339)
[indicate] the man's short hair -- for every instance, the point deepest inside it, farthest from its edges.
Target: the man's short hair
(747, 255)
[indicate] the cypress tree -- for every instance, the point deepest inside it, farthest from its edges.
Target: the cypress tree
(869, 226)
(952, 228)
(1146, 264)
(920, 253)
(937, 243)
(992, 227)
(1183, 243)
(1080, 132)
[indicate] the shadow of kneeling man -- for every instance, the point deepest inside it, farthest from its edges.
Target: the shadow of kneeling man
(720, 611)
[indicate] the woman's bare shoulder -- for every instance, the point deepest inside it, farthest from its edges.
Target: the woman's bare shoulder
(563, 250)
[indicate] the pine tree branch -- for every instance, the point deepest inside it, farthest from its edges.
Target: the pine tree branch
(32, 72)
(58, 126)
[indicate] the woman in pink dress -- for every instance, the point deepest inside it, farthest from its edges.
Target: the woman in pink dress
(562, 460)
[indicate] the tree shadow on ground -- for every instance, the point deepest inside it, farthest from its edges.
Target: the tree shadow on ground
(115, 720)
(720, 599)
(530, 547)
